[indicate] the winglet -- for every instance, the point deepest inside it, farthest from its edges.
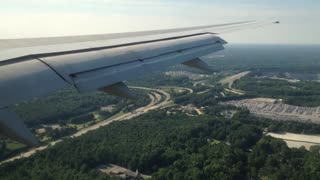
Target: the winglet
(11, 126)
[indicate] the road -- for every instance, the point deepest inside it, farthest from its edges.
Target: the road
(156, 102)
(205, 91)
(234, 91)
(229, 80)
(198, 111)
(182, 88)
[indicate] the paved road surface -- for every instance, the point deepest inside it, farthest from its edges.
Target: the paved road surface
(175, 87)
(229, 80)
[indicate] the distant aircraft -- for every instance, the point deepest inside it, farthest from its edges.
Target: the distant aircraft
(36, 67)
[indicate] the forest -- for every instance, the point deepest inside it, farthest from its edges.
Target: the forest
(173, 147)
(68, 103)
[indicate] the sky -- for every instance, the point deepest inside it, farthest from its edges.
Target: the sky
(300, 19)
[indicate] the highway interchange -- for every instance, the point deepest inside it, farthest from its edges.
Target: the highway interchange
(158, 99)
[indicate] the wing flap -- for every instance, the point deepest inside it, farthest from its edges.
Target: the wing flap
(119, 89)
(199, 64)
(70, 63)
(89, 81)
(95, 69)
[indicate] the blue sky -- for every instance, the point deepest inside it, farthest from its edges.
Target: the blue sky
(36, 18)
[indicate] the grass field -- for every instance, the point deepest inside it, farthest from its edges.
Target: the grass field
(12, 146)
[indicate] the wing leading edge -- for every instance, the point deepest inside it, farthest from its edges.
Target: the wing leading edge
(35, 67)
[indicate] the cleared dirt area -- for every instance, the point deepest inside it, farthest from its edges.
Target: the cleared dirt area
(298, 140)
(274, 109)
(121, 172)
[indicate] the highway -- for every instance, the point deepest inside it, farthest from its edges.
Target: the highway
(230, 80)
(182, 88)
(156, 102)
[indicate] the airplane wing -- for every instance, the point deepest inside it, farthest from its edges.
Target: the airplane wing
(38, 66)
